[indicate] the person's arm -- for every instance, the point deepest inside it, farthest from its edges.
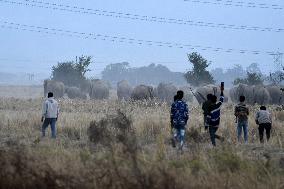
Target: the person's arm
(44, 110)
(57, 111)
(270, 116)
(203, 107)
(172, 112)
(186, 112)
(236, 111)
(256, 118)
(247, 111)
(222, 96)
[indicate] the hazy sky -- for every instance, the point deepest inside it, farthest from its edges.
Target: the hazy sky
(23, 51)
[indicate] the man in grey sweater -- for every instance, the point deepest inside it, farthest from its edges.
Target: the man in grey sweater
(50, 111)
(263, 118)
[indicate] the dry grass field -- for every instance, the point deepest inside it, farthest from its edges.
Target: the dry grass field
(111, 144)
(23, 92)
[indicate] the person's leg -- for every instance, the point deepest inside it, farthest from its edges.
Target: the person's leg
(245, 128)
(182, 133)
(53, 127)
(45, 124)
(205, 122)
(268, 130)
(261, 131)
(174, 138)
(177, 134)
(212, 135)
(239, 131)
(217, 136)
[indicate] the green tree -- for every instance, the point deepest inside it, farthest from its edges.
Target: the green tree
(198, 75)
(115, 72)
(276, 78)
(72, 73)
(251, 79)
(253, 68)
(83, 64)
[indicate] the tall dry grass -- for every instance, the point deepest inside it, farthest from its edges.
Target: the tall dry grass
(21, 91)
(111, 144)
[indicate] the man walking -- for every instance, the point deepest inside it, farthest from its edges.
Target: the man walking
(242, 113)
(50, 111)
(213, 117)
(263, 119)
(179, 117)
(205, 108)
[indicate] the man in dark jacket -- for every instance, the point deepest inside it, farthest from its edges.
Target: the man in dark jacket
(172, 127)
(205, 108)
(213, 117)
(179, 117)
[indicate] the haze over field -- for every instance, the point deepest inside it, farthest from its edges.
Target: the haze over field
(123, 94)
(32, 52)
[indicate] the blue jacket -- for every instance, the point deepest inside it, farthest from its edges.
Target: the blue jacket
(179, 114)
(213, 118)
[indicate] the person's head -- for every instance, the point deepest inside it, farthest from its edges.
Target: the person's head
(175, 97)
(242, 98)
(262, 108)
(179, 95)
(214, 99)
(49, 95)
(209, 96)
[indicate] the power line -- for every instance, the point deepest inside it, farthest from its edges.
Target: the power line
(42, 61)
(121, 15)
(69, 33)
(242, 4)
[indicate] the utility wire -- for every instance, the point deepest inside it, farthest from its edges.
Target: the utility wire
(121, 15)
(41, 61)
(243, 4)
(69, 33)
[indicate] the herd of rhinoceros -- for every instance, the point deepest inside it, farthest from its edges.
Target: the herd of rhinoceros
(99, 89)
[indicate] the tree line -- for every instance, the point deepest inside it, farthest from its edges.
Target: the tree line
(73, 73)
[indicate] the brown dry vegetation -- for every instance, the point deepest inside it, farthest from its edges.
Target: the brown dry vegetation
(21, 91)
(110, 144)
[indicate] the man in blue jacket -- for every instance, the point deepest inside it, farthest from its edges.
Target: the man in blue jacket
(213, 117)
(205, 108)
(179, 117)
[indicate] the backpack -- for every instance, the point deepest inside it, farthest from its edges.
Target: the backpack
(241, 111)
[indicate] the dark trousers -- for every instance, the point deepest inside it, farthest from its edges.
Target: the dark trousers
(206, 125)
(267, 128)
(52, 123)
(213, 136)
